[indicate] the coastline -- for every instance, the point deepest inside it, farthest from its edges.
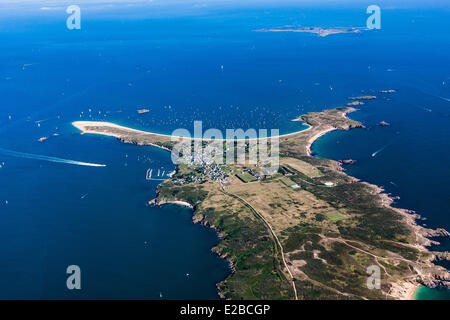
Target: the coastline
(84, 125)
(315, 137)
(404, 290)
(412, 293)
(325, 130)
(85, 128)
(200, 219)
(321, 32)
(157, 202)
(407, 291)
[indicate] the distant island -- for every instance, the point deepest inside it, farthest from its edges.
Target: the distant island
(356, 100)
(141, 111)
(308, 231)
(321, 32)
(362, 98)
(355, 103)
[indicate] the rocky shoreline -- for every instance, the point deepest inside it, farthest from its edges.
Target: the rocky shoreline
(428, 278)
(404, 290)
(427, 273)
(199, 218)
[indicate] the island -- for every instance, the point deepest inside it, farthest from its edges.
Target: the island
(355, 103)
(362, 98)
(307, 231)
(321, 32)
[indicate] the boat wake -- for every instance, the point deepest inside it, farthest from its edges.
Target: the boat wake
(47, 158)
(379, 150)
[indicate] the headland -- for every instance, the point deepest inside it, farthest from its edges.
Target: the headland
(309, 231)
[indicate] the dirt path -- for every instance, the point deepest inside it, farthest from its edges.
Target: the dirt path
(278, 243)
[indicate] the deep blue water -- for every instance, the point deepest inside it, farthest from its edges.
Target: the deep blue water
(171, 62)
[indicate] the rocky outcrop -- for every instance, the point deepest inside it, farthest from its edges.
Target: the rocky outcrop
(441, 256)
(355, 103)
(439, 232)
(348, 161)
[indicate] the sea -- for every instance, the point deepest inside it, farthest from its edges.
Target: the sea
(187, 62)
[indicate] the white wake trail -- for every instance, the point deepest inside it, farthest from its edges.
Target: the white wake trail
(379, 150)
(47, 158)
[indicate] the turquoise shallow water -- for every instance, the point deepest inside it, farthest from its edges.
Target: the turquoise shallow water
(171, 62)
(425, 293)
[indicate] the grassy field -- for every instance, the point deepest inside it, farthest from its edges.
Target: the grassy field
(336, 217)
(302, 167)
(246, 177)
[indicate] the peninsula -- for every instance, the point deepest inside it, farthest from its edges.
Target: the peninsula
(309, 231)
(321, 32)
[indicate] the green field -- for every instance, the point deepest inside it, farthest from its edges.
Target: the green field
(246, 177)
(336, 217)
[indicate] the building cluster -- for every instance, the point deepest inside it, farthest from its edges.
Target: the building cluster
(202, 173)
(203, 167)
